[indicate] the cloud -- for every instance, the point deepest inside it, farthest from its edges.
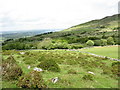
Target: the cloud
(52, 14)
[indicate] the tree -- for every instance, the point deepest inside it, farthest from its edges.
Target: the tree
(110, 41)
(103, 42)
(90, 43)
(97, 42)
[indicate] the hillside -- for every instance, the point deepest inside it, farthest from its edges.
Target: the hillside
(100, 33)
(73, 69)
(106, 24)
(56, 60)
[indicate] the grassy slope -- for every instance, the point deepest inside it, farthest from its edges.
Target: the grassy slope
(109, 22)
(67, 60)
(91, 28)
(110, 51)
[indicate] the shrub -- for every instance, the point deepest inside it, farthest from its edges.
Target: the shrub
(76, 46)
(31, 80)
(88, 77)
(72, 71)
(106, 70)
(41, 58)
(90, 43)
(49, 65)
(115, 68)
(11, 71)
(29, 60)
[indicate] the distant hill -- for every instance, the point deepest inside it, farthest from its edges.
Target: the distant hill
(102, 32)
(23, 33)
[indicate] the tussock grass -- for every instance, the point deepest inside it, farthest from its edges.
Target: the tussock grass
(73, 67)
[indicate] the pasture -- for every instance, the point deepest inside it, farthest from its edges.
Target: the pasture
(74, 69)
(109, 51)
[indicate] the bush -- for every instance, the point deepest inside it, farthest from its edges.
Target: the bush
(88, 77)
(49, 65)
(41, 58)
(11, 71)
(72, 71)
(106, 70)
(29, 60)
(90, 43)
(76, 46)
(31, 80)
(115, 68)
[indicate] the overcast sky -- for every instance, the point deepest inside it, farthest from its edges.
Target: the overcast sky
(52, 14)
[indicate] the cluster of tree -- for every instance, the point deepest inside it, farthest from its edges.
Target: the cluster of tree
(63, 40)
(17, 46)
(102, 42)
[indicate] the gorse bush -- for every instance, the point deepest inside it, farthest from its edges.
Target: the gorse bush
(88, 77)
(29, 60)
(33, 79)
(115, 68)
(49, 65)
(11, 71)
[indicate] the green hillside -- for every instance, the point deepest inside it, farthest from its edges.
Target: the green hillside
(93, 33)
(106, 24)
(73, 69)
(56, 60)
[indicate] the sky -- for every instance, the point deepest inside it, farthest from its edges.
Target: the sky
(52, 14)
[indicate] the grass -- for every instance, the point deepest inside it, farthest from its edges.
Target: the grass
(66, 60)
(109, 51)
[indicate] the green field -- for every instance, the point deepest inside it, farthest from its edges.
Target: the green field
(109, 51)
(73, 67)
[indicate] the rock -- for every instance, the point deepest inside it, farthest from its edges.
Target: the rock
(54, 80)
(28, 67)
(38, 69)
(91, 73)
(22, 53)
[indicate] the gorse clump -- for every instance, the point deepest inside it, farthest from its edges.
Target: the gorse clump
(88, 77)
(11, 71)
(49, 65)
(31, 80)
(29, 60)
